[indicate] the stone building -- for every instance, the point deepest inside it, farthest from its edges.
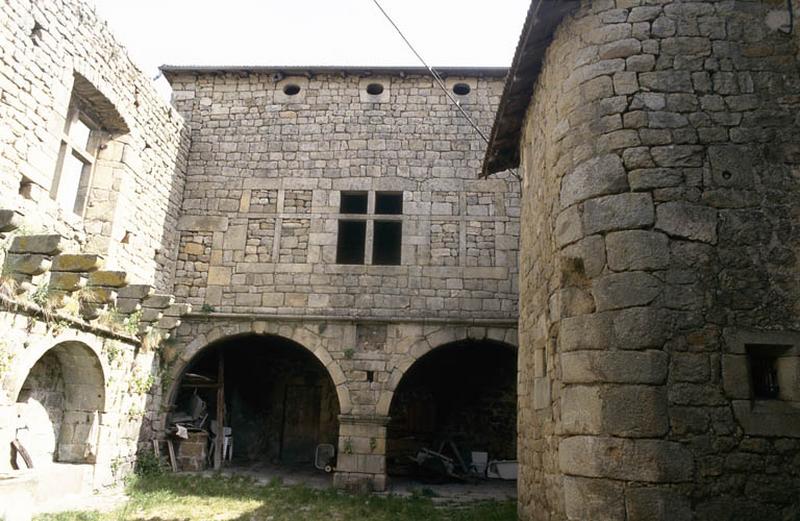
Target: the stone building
(307, 252)
(338, 211)
(659, 293)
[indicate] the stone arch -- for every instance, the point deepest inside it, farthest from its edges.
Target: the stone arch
(435, 340)
(462, 391)
(60, 394)
(304, 337)
(281, 397)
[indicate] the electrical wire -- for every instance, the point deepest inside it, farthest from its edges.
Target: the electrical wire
(439, 81)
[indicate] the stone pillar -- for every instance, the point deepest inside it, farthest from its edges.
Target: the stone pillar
(361, 460)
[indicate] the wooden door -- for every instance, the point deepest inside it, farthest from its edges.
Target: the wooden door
(301, 410)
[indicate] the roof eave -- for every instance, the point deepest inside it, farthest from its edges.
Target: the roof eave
(544, 16)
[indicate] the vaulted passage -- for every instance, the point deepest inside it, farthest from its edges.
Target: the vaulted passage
(279, 402)
(58, 407)
(464, 393)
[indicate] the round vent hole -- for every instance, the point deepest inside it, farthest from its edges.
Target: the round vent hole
(291, 89)
(374, 89)
(461, 89)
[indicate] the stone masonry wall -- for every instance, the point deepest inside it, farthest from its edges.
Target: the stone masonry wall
(261, 206)
(50, 52)
(659, 264)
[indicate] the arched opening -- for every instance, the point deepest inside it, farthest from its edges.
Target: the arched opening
(459, 398)
(59, 406)
(277, 404)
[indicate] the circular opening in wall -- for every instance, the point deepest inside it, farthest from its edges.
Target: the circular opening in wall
(461, 89)
(291, 89)
(374, 89)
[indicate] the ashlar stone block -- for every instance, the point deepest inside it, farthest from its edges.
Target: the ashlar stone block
(598, 176)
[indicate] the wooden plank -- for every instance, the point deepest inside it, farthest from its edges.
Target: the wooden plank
(156, 450)
(220, 412)
(172, 461)
(22, 451)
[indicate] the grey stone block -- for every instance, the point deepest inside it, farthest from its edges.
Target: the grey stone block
(657, 504)
(39, 244)
(598, 176)
(637, 250)
(617, 212)
(688, 221)
(622, 290)
(631, 367)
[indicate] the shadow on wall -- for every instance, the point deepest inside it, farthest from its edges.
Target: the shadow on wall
(464, 392)
(59, 407)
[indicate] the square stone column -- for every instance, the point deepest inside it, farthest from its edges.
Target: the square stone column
(361, 460)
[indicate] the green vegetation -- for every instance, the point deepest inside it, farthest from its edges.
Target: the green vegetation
(192, 498)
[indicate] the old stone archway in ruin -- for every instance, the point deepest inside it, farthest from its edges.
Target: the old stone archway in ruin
(464, 392)
(279, 400)
(59, 405)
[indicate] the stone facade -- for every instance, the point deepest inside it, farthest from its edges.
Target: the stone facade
(659, 274)
(58, 56)
(265, 174)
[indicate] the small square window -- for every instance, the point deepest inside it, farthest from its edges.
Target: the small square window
(386, 246)
(764, 370)
(351, 242)
(353, 202)
(389, 203)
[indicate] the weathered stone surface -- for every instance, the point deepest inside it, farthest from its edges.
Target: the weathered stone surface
(38, 244)
(622, 290)
(109, 279)
(630, 459)
(10, 220)
(136, 291)
(641, 328)
(644, 367)
(594, 499)
(657, 504)
(593, 331)
(637, 250)
(598, 176)
(26, 263)
(67, 281)
(617, 212)
(158, 301)
(689, 221)
(78, 263)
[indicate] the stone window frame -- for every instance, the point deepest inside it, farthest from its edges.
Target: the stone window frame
(370, 217)
(78, 113)
(779, 416)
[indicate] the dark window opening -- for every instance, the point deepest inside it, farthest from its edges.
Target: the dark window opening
(763, 361)
(389, 203)
(291, 89)
(374, 89)
(353, 202)
(386, 246)
(351, 241)
(370, 376)
(461, 89)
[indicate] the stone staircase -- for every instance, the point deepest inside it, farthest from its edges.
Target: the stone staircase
(36, 271)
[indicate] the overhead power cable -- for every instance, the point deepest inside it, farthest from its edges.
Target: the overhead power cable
(439, 81)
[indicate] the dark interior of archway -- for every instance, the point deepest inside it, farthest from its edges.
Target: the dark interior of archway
(279, 400)
(463, 392)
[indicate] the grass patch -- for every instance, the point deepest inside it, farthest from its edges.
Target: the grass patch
(191, 498)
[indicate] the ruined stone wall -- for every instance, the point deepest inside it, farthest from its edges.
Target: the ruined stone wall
(76, 394)
(54, 51)
(659, 266)
(261, 206)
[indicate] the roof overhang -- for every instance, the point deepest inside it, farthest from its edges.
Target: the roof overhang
(543, 18)
(315, 70)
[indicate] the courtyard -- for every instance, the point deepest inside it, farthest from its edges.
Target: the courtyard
(184, 497)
